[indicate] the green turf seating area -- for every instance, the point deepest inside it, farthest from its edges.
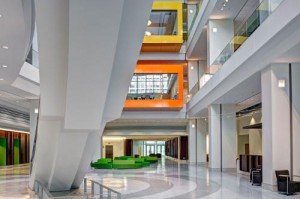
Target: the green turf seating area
(103, 163)
(123, 162)
(126, 164)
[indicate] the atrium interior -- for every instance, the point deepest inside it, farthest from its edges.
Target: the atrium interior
(180, 99)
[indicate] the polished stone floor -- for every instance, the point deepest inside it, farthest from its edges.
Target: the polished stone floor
(166, 179)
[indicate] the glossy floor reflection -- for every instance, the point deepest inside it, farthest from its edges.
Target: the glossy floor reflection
(165, 179)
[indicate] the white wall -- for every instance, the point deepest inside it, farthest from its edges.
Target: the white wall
(242, 140)
(218, 40)
(296, 118)
(118, 146)
(192, 74)
(254, 135)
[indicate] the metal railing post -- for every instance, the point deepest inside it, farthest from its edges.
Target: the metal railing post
(85, 185)
(101, 191)
(119, 196)
(93, 188)
(109, 194)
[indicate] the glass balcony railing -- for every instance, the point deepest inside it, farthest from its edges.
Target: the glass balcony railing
(33, 58)
(193, 20)
(261, 13)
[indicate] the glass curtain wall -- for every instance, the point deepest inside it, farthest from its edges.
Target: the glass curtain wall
(154, 147)
(153, 86)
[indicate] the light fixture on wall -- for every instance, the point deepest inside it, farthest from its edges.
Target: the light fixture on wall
(5, 47)
(4, 66)
(281, 83)
(193, 125)
(191, 11)
(192, 67)
(147, 33)
(36, 110)
(149, 23)
(215, 30)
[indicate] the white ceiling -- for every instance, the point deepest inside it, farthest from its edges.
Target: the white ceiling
(16, 31)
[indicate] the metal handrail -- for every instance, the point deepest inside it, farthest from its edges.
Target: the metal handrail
(101, 186)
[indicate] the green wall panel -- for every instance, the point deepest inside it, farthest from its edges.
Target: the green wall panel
(16, 151)
(2, 151)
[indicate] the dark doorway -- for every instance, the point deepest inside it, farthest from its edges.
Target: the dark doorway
(247, 150)
(109, 151)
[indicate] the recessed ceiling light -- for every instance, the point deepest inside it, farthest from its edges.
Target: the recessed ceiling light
(5, 47)
(149, 23)
(4, 66)
(215, 30)
(191, 11)
(147, 33)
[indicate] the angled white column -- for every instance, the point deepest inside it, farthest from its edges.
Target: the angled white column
(80, 54)
(276, 122)
(222, 136)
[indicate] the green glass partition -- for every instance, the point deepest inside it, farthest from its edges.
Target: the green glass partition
(2, 151)
(16, 151)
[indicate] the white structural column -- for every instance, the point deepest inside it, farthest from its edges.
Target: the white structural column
(201, 140)
(296, 118)
(276, 122)
(220, 32)
(192, 141)
(34, 105)
(222, 136)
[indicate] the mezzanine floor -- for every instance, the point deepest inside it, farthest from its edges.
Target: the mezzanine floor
(166, 179)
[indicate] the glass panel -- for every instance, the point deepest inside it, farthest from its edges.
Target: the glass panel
(153, 86)
(261, 13)
(162, 23)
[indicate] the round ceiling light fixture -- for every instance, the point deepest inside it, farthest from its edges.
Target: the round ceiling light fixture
(147, 33)
(149, 23)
